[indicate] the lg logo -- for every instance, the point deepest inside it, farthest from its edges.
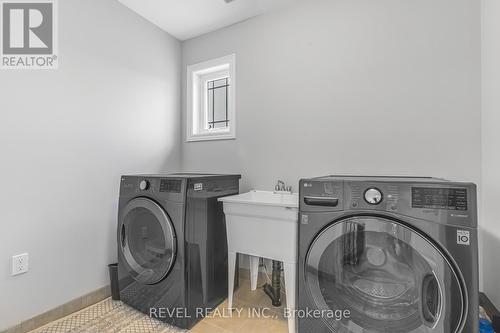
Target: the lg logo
(28, 34)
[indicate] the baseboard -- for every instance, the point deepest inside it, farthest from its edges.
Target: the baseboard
(61, 311)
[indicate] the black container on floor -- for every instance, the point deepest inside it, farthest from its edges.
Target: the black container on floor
(113, 277)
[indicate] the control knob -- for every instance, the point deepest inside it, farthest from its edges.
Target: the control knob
(143, 185)
(373, 196)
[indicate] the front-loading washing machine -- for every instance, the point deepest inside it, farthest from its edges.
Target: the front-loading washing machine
(172, 248)
(387, 254)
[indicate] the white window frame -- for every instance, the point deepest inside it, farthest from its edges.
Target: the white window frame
(197, 77)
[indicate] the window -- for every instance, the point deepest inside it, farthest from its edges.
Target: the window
(210, 100)
(217, 103)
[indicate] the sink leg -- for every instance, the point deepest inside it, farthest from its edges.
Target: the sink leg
(291, 293)
(254, 271)
(230, 278)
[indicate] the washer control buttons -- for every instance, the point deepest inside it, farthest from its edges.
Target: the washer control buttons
(143, 185)
(373, 196)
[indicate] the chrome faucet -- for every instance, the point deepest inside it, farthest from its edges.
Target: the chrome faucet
(282, 188)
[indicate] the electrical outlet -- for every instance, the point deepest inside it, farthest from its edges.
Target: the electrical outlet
(20, 264)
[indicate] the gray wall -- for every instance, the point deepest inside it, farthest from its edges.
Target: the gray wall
(358, 87)
(491, 144)
(66, 136)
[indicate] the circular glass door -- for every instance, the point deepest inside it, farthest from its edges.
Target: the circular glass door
(147, 240)
(386, 275)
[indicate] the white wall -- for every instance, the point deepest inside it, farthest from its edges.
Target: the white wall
(358, 87)
(491, 147)
(66, 136)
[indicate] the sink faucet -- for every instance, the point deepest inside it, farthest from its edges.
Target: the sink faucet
(281, 187)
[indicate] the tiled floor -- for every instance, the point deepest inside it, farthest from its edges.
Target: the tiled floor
(254, 314)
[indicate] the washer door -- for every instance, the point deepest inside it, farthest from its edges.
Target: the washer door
(387, 275)
(147, 240)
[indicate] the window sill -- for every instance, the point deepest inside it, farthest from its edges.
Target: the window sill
(211, 137)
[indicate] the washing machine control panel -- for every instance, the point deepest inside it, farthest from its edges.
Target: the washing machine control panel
(451, 203)
(432, 202)
(372, 196)
(439, 198)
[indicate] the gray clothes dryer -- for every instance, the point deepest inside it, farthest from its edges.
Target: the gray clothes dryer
(172, 247)
(399, 255)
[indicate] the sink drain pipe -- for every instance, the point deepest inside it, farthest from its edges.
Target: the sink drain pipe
(274, 290)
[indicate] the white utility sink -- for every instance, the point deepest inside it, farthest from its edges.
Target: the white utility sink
(265, 198)
(263, 224)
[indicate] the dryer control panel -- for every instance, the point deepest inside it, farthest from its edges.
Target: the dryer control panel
(161, 188)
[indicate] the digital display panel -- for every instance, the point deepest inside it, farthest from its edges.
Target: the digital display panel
(170, 185)
(439, 198)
